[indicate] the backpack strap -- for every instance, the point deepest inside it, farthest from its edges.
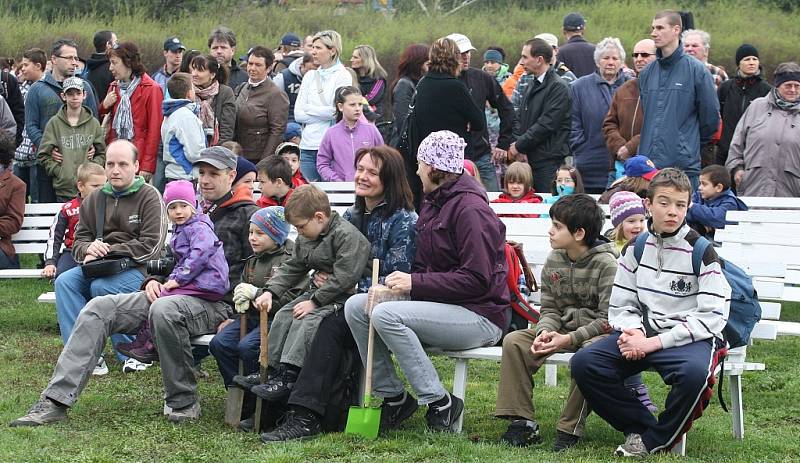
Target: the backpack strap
(638, 246)
(698, 251)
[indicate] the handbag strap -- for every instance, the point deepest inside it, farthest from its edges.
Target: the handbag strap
(101, 216)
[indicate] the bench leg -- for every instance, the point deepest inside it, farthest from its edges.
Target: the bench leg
(737, 413)
(460, 388)
(550, 375)
(680, 447)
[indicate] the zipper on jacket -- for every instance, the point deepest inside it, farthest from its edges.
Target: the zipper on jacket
(659, 254)
(572, 276)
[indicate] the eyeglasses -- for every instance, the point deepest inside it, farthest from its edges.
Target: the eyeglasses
(643, 55)
(68, 58)
(300, 228)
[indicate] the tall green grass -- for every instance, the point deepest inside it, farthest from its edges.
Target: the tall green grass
(730, 23)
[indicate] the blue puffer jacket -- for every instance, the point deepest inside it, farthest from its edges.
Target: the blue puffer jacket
(681, 111)
(591, 98)
(393, 239)
(712, 213)
(200, 265)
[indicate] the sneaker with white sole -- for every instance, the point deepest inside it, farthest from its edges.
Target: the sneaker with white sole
(633, 447)
(132, 365)
(101, 369)
(181, 415)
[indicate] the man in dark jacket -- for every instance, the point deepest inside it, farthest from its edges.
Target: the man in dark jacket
(577, 53)
(681, 110)
(10, 91)
(542, 126)
(222, 45)
(97, 65)
(43, 101)
(484, 88)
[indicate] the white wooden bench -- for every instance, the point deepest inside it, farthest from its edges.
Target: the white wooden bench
(32, 237)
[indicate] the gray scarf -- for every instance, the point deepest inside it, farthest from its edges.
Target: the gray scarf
(783, 104)
(123, 119)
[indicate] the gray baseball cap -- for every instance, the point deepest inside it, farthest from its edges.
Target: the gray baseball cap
(219, 157)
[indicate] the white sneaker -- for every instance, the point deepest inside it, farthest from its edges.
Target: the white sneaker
(101, 368)
(132, 365)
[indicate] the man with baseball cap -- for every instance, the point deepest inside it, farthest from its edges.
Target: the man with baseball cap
(288, 51)
(484, 88)
(577, 53)
(173, 54)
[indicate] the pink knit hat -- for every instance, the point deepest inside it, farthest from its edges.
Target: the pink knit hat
(624, 204)
(180, 190)
(443, 150)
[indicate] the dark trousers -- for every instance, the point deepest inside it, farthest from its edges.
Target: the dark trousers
(65, 262)
(323, 364)
(227, 349)
(8, 262)
(44, 186)
(544, 173)
(599, 371)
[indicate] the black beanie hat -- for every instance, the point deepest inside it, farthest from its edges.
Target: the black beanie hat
(744, 51)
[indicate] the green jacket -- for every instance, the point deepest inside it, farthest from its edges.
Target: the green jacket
(73, 142)
(575, 294)
(340, 250)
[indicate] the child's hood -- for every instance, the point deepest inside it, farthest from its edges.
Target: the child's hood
(85, 116)
(197, 219)
(602, 245)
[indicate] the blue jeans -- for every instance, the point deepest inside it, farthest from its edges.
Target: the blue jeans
(405, 328)
(308, 165)
(488, 174)
(73, 291)
(28, 175)
(227, 349)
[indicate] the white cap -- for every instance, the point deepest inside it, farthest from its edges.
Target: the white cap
(551, 39)
(464, 45)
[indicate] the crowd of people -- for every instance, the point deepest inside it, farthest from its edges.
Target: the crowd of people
(667, 143)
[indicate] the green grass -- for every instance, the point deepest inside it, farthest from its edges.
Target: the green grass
(730, 23)
(118, 418)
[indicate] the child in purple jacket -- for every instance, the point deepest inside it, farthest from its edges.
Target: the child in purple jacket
(200, 266)
(341, 142)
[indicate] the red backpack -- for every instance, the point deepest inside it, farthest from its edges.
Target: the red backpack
(520, 280)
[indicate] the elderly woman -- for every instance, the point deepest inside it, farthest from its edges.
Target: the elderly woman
(217, 102)
(314, 106)
(764, 155)
(133, 103)
(591, 98)
(371, 77)
(442, 103)
(457, 290)
(736, 94)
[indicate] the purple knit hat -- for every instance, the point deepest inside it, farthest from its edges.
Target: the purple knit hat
(180, 190)
(624, 204)
(443, 150)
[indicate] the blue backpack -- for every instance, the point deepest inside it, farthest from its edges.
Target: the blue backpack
(745, 311)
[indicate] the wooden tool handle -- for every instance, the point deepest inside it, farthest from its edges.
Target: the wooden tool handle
(264, 337)
(371, 338)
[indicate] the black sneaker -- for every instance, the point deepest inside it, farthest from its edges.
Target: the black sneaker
(295, 427)
(442, 418)
(394, 413)
(565, 440)
(247, 424)
(247, 382)
(522, 433)
(44, 411)
(278, 387)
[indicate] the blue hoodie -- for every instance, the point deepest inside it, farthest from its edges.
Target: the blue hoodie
(711, 213)
(182, 138)
(43, 101)
(681, 111)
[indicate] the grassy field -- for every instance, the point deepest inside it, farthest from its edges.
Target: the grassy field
(118, 418)
(730, 23)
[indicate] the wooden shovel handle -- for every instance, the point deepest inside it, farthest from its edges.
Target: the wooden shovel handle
(371, 338)
(264, 335)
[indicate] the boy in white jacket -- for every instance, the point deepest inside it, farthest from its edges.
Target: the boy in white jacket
(182, 134)
(665, 318)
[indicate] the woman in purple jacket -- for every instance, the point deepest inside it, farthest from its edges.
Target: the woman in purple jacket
(337, 150)
(459, 298)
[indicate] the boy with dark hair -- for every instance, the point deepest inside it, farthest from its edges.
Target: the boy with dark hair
(90, 177)
(290, 151)
(325, 243)
(275, 178)
(576, 285)
(663, 317)
(70, 138)
(712, 200)
(181, 131)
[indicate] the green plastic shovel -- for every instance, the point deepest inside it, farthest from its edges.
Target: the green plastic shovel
(365, 420)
